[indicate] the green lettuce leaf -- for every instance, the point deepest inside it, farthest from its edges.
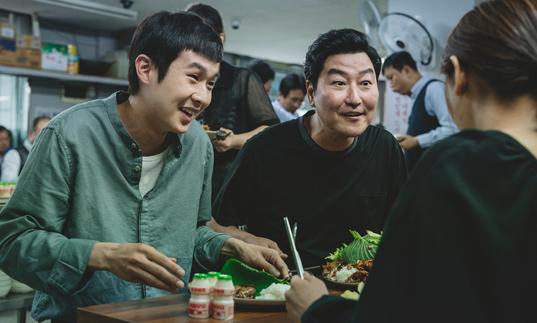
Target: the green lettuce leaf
(244, 275)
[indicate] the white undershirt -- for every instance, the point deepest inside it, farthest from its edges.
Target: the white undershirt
(151, 167)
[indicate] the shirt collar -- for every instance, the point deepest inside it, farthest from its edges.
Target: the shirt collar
(27, 144)
(111, 103)
(416, 89)
(312, 144)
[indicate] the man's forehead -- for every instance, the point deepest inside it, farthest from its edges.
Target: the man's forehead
(192, 59)
(349, 61)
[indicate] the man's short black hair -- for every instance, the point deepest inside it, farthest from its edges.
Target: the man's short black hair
(163, 36)
(290, 82)
(398, 60)
(210, 16)
(334, 42)
(262, 69)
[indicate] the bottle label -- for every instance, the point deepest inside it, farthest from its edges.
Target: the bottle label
(198, 310)
(199, 290)
(223, 292)
(223, 311)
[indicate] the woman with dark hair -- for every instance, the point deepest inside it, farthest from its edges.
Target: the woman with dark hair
(460, 243)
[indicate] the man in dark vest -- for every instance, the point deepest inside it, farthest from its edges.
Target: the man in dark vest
(429, 119)
(16, 158)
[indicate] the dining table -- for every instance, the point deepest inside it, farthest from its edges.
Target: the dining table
(168, 309)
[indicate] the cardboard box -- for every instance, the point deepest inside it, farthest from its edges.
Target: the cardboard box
(22, 57)
(7, 30)
(54, 57)
(28, 41)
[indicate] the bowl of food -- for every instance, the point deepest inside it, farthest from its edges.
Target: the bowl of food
(255, 289)
(349, 266)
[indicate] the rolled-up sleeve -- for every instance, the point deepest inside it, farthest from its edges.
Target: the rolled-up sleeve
(208, 243)
(32, 248)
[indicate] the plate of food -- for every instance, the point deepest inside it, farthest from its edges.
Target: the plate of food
(348, 266)
(255, 289)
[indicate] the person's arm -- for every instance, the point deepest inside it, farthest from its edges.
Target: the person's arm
(212, 246)
(435, 105)
(235, 232)
(32, 248)
(235, 141)
(11, 166)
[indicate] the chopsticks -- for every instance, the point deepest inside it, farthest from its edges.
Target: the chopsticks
(294, 251)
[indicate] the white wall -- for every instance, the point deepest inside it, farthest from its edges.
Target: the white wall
(438, 16)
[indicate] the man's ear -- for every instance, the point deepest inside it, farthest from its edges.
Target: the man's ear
(460, 77)
(406, 70)
(310, 92)
(143, 67)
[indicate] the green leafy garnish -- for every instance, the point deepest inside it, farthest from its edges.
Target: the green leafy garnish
(362, 248)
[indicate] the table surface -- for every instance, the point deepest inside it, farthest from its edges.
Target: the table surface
(165, 309)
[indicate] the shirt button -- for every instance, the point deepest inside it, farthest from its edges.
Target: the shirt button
(134, 146)
(137, 169)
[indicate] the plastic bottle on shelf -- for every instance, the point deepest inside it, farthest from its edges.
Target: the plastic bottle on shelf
(223, 304)
(72, 59)
(198, 305)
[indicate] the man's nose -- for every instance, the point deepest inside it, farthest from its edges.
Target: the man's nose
(354, 98)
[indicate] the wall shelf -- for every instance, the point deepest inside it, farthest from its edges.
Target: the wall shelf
(62, 76)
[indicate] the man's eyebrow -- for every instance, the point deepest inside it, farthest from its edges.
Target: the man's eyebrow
(337, 71)
(198, 66)
(202, 68)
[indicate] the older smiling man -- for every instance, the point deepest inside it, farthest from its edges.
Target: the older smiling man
(329, 171)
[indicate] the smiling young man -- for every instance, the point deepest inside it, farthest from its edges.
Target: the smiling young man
(329, 171)
(111, 203)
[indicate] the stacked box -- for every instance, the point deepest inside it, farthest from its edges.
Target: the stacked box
(7, 44)
(54, 57)
(21, 52)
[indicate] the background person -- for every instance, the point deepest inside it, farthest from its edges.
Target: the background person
(429, 120)
(292, 93)
(239, 107)
(15, 159)
(460, 242)
(265, 73)
(5, 143)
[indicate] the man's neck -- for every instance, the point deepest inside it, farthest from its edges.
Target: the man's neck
(134, 117)
(414, 78)
(324, 137)
(280, 99)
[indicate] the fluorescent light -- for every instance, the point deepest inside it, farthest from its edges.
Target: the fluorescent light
(93, 7)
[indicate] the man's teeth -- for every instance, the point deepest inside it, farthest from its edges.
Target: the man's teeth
(188, 111)
(352, 114)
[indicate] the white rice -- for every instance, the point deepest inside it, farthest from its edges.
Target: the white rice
(344, 273)
(274, 292)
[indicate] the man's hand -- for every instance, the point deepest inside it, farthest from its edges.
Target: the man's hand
(234, 232)
(260, 257)
(408, 142)
(137, 263)
(264, 242)
(223, 145)
(302, 294)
